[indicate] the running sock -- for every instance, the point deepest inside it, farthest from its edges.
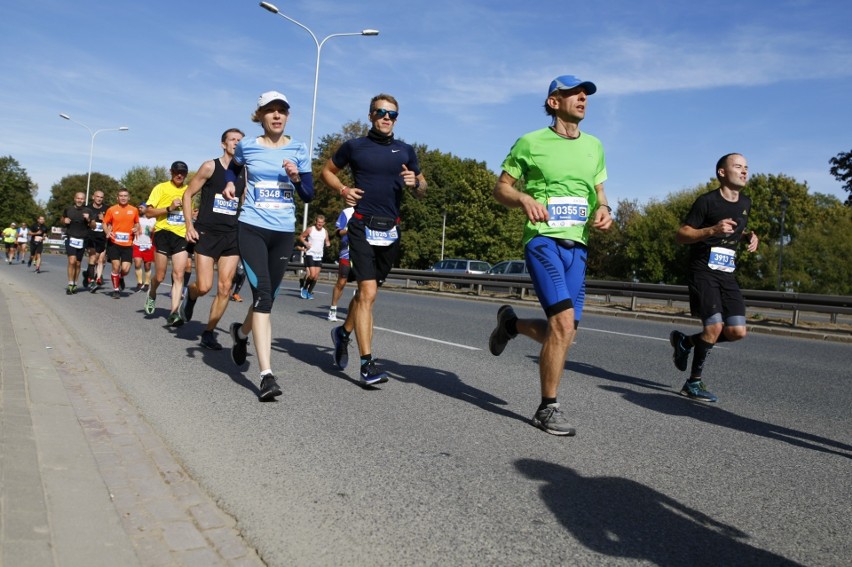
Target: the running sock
(545, 402)
(265, 372)
(344, 332)
(240, 335)
(115, 280)
(702, 348)
(311, 284)
(366, 358)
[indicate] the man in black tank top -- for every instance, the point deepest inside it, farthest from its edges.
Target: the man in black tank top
(714, 228)
(215, 235)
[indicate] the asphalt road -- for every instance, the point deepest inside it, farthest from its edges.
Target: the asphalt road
(440, 466)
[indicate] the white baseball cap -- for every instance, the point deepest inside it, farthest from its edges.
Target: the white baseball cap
(271, 96)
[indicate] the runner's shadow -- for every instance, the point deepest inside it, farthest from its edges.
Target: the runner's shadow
(450, 385)
(622, 518)
(678, 406)
(440, 381)
(217, 359)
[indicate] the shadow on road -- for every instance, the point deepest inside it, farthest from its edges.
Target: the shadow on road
(671, 403)
(618, 517)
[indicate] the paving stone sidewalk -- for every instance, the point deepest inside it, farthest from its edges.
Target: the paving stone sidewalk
(84, 480)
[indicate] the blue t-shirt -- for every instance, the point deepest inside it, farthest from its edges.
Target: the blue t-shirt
(270, 195)
(377, 169)
(342, 221)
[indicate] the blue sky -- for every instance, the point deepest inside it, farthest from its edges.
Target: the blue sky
(679, 83)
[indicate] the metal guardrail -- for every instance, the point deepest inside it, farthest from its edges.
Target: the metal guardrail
(797, 303)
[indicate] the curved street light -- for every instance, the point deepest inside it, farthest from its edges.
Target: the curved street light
(272, 8)
(92, 146)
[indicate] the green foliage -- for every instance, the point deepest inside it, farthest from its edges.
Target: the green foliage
(18, 194)
(841, 169)
(139, 181)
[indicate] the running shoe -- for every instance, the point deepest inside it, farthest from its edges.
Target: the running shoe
(74, 288)
(341, 347)
(116, 294)
(150, 302)
(332, 314)
(310, 295)
(552, 420)
(236, 297)
(93, 287)
(138, 288)
(187, 307)
(303, 293)
(29, 262)
(174, 320)
(680, 356)
(240, 348)
(208, 341)
(269, 388)
(371, 375)
(146, 287)
(500, 336)
(68, 290)
(100, 281)
(696, 390)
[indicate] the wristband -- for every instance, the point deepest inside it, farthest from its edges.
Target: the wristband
(416, 184)
(344, 189)
(168, 210)
(608, 208)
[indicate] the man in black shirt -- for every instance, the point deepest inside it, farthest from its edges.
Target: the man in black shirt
(38, 233)
(714, 227)
(76, 220)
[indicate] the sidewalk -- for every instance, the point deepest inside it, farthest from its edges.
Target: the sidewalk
(84, 481)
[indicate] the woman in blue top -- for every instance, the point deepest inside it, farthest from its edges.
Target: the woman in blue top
(278, 168)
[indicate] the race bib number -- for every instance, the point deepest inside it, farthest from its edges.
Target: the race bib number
(75, 242)
(99, 226)
(175, 217)
(224, 206)
(121, 236)
(722, 259)
(567, 211)
(273, 195)
(381, 237)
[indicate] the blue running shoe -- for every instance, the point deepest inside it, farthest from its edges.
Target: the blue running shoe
(697, 391)
(371, 375)
(341, 347)
(303, 293)
(680, 356)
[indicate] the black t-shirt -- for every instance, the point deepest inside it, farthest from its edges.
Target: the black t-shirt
(708, 210)
(214, 212)
(98, 216)
(377, 169)
(41, 229)
(79, 227)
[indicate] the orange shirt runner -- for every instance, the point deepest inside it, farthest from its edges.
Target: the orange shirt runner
(121, 220)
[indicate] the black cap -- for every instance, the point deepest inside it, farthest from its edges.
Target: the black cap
(179, 167)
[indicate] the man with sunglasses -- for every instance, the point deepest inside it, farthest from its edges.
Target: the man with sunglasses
(563, 196)
(382, 168)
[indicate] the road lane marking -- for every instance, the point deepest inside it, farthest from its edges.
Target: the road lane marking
(636, 336)
(427, 338)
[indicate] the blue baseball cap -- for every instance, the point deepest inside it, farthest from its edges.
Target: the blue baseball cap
(566, 82)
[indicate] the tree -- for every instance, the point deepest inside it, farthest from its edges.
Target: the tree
(817, 260)
(608, 249)
(139, 181)
(841, 169)
(18, 194)
(62, 193)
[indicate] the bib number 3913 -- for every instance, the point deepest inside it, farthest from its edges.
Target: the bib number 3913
(722, 259)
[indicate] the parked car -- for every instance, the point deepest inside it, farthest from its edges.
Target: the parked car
(460, 266)
(509, 267)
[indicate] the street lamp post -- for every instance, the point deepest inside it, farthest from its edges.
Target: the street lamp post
(783, 203)
(92, 146)
(272, 8)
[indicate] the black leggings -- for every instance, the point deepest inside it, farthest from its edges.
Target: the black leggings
(265, 254)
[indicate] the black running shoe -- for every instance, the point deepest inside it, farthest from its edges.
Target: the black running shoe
(500, 337)
(680, 356)
(269, 389)
(174, 320)
(341, 347)
(208, 341)
(239, 350)
(116, 294)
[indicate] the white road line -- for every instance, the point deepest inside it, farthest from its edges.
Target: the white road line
(427, 338)
(634, 336)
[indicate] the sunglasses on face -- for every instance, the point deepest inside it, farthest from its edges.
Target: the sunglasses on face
(382, 112)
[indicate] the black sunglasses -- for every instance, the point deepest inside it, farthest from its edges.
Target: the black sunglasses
(381, 112)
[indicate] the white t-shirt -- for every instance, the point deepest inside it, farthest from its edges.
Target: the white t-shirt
(316, 239)
(146, 227)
